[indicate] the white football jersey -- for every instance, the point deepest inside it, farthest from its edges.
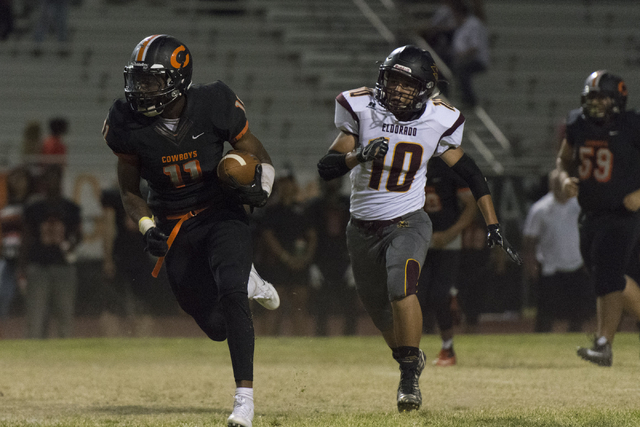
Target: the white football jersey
(391, 187)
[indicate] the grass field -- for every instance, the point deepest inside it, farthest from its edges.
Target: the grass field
(501, 380)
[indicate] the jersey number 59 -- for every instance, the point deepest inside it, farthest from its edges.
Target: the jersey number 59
(597, 162)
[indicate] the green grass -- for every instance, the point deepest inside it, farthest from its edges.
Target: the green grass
(500, 380)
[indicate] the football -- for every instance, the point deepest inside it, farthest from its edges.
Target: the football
(240, 165)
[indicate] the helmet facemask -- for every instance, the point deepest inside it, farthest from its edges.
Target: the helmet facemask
(599, 107)
(400, 93)
(149, 91)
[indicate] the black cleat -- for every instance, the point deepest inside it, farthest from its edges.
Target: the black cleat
(409, 396)
(601, 355)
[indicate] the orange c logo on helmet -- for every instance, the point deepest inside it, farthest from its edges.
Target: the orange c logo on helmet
(174, 57)
(622, 88)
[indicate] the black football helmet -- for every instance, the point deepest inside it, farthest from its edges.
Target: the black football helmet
(600, 87)
(414, 66)
(158, 73)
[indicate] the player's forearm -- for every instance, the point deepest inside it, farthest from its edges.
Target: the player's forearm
(485, 204)
(466, 217)
(249, 142)
(129, 182)
(564, 161)
(563, 169)
(135, 206)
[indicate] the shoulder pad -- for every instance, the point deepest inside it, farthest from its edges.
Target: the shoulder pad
(574, 116)
(632, 119)
(121, 120)
(361, 91)
(217, 89)
(358, 99)
(442, 114)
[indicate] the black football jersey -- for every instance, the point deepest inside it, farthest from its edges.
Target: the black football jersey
(180, 166)
(441, 202)
(607, 159)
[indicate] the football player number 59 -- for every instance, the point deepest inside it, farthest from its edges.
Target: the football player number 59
(173, 171)
(595, 161)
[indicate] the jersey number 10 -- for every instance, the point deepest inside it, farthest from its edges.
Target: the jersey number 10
(400, 152)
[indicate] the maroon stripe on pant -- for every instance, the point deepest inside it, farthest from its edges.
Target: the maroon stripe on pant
(411, 276)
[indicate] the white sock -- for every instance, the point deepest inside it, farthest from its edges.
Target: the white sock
(245, 392)
(601, 341)
(447, 344)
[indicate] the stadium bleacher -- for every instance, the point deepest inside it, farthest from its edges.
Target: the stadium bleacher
(287, 59)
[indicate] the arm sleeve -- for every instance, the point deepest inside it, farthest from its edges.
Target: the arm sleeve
(467, 168)
(333, 165)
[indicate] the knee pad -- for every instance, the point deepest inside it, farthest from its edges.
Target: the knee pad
(213, 324)
(217, 333)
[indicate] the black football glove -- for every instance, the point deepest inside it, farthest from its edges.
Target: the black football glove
(495, 238)
(251, 194)
(156, 242)
(376, 149)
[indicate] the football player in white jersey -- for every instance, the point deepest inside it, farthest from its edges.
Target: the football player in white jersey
(387, 135)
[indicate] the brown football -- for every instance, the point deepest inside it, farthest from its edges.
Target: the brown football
(240, 165)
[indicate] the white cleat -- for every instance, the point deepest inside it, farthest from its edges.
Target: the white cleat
(242, 414)
(262, 291)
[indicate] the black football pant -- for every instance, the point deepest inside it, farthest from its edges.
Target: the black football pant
(438, 275)
(565, 295)
(607, 242)
(208, 267)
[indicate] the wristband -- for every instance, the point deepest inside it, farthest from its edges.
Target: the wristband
(145, 224)
(268, 176)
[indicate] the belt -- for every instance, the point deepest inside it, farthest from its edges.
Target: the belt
(374, 226)
(181, 218)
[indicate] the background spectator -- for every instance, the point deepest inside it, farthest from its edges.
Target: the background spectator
(290, 242)
(19, 188)
(129, 290)
(552, 260)
(451, 208)
(475, 269)
(6, 18)
(333, 293)
(52, 229)
(53, 149)
(439, 31)
(470, 47)
(53, 13)
(31, 142)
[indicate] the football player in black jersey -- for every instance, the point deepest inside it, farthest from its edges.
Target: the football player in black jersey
(451, 208)
(599, 162)
(172, 134)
